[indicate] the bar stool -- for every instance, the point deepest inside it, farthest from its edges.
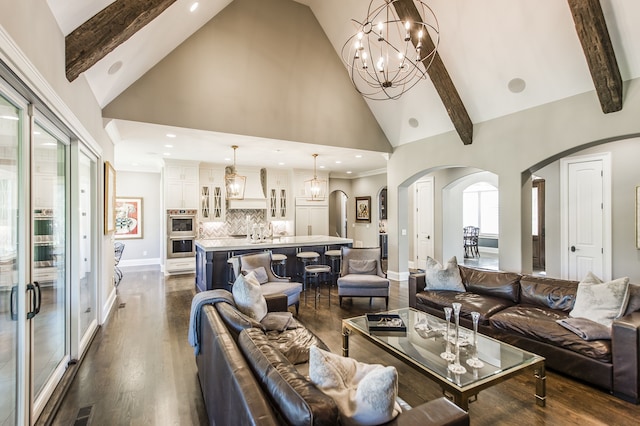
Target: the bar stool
(315, 271)
(333, 259)
(279, 263)
(306, 258)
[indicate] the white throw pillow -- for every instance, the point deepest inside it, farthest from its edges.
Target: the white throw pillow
(260, 273)
(248, 296)
(599, 301)
(364, 393)
(439, 277)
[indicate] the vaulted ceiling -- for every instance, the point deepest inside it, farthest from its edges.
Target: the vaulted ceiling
(496, 57)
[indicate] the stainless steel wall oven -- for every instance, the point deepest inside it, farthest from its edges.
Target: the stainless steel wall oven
(181, 233)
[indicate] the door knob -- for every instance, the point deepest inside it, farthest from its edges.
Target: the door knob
(573, 248)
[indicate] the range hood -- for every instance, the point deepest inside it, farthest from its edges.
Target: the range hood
(254, 191)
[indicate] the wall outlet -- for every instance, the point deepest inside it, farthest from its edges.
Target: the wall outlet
(404, 232)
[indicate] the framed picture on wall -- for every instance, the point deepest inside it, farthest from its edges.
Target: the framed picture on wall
(363, 209)
(128, 218)
(109, 198)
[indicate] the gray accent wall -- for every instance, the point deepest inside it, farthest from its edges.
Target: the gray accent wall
(261, 68)
(625, 177)
(148, 249)
(513, 147)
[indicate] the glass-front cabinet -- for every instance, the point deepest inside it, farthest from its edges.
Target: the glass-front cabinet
(212, 199)
(278, 195)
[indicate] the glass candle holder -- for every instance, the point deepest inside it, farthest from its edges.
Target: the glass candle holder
(447, 354)
(474, 361)
(456, 367)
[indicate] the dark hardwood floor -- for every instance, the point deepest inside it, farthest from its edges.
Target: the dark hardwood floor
(141, 370)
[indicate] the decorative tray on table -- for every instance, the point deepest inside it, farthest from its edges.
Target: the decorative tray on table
(385, 322)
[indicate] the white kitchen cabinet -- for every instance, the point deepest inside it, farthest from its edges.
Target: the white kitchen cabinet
(312, 220)
(181, 185)
(212, 194)
(278, 195)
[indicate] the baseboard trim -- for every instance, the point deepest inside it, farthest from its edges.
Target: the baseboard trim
(139, 262)
(398, 276)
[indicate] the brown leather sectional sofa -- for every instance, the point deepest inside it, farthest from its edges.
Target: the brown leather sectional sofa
(522, 310)
(252, 377)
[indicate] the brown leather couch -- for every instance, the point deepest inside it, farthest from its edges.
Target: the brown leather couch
(252, 377)
(522, 310)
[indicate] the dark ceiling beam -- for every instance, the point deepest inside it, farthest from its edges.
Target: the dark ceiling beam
(596, 43)
(109, 28)
(440, 78)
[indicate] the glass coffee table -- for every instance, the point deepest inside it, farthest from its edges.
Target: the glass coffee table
(422, 348)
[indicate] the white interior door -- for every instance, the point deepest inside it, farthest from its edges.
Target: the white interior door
(424, 221)
(585, 218)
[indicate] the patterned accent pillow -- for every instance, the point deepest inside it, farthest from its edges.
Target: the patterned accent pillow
(599, 301)
(364, 393)
(248, 296)
(260, 272)
(439, 277)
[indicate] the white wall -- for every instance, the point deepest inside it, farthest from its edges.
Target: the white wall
(147, 250)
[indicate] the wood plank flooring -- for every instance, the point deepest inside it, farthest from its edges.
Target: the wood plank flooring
(141, 370)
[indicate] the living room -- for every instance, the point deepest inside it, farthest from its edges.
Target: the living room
(537, 139)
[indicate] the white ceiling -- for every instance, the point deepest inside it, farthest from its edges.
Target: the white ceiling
(483, 44)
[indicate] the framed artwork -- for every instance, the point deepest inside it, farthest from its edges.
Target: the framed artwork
(363, 209)
(128, 218)
(109, 198)
(638, 217)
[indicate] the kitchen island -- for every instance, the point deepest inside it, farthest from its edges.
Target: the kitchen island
(213, 270)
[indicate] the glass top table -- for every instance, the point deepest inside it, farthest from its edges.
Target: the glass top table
(423, 343)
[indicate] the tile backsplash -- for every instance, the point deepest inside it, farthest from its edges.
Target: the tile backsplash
(236, 224)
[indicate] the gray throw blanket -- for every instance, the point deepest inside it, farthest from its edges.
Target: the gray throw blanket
(199, 300)
(585, 328)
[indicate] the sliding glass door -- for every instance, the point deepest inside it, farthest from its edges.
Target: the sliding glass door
(49, 328)
(12, 260)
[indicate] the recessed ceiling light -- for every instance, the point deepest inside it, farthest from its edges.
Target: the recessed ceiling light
(171, 135)
(516, 85)
(193, 7)
(168, 146)
(349, 172)
(321, 167)
(167, 154)
(413, 122)
(338, 161)
(359, 156)
(281, 164)
(227, 159)
(114, 68)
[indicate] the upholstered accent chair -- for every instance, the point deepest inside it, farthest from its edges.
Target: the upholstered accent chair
(270, 283)
(361, 275)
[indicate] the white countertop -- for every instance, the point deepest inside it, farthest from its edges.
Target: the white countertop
(226, 244)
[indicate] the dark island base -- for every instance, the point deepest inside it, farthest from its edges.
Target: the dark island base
(213, 271)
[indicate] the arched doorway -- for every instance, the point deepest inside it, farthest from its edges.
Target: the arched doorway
(338, 214)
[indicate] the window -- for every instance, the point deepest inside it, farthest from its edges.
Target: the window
(480, 204)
